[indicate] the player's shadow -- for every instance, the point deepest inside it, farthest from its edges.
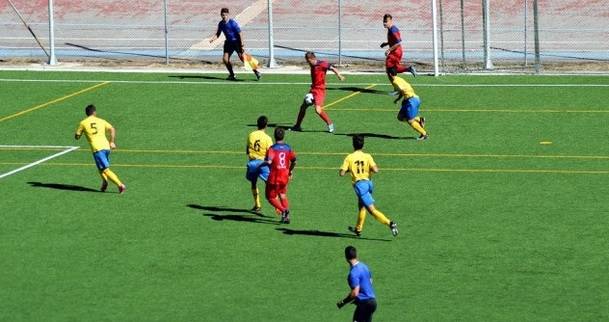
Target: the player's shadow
(319, 233)
(208, 77)
(61, 186)
(380, 136)
(357, 89)
(245, 215)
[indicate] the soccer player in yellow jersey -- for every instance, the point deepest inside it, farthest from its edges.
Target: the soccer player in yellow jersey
(361, 165)
(410, 105)
(258, 142)
(95, 130)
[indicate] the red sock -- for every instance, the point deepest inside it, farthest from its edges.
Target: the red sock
(276, 203)
(324, 116)
(285, 203)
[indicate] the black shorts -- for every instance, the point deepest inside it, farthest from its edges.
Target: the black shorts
(364, 310)
(232, 46)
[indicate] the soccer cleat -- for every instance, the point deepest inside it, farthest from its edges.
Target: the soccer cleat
(355, 231)
(285, 216)
(104, 186)
(394, 228)
(412, 70)
(422, 121)
(296, 128)
(122, 188)
(231, 78)
(258, 75)
(331, 128)
(256, 209)
(423, 137)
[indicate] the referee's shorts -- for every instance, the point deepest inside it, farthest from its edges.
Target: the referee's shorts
(364, 310)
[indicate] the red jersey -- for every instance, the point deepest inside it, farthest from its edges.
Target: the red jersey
(393, 36)
(281, 156)
(318, 74)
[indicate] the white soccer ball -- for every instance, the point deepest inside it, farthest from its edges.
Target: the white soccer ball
(309, 98)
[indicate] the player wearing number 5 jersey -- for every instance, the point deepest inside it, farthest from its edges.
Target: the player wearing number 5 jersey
(95, 130)
(258, 142)
(361, 165)
(281, 159)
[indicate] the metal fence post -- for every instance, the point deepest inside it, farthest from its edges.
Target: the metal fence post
(52, 58)
(526, 11)
(166, 33)
(536, 27)
(434, 15)
(340, 32)
(488, 64)
(463, 34)
(271, 63)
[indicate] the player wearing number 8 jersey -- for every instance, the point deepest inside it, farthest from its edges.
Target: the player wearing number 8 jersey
(281, 159)
(258, 142)
(361, 164)
(95, 129)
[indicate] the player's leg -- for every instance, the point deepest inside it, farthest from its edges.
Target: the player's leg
(102, 161)
(252, 174)
(283, 197)
(408, 113)
(319, 97)
(228, 51)
(301, 114)
(271, 196)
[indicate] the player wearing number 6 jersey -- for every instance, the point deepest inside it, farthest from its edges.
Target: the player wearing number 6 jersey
(258, 142)
(361, 165)
(281, 159)
(95, 129)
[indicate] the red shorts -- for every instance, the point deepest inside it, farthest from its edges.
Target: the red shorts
(273, 190)
(394, 58)
(319, 96)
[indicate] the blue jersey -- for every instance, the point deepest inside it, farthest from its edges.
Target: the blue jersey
(230, 29)
(360, 275)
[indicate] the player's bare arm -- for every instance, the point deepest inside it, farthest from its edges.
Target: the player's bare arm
(342, 172)
(338, 74)
(112, 137)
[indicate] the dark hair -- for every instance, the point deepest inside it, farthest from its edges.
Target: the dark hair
(262, 122)
(392, 71)
(350, 253)
(358, 142)
(279, 133)
(223, 10)
(309, 54)
(387, 16)
(90, 109)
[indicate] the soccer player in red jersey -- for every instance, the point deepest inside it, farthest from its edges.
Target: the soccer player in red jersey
(317, 93)
(393, 61)
(281, 159)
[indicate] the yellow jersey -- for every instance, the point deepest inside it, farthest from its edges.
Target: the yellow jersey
(402, 86)
(359, 164)
(95, 129)
(257, 144)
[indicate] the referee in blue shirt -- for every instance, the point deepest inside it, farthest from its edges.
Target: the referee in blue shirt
(233, 42)
(362, 292)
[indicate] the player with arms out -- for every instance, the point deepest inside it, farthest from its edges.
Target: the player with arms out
(95, 130)
(233, 42)
(258, 142)
(410, 105)
(361, 165)
(317, 93)
(281, 159)
(393, 60)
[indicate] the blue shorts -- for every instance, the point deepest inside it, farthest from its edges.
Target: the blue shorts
(410, 107)
(102, 159)
(363, 191)
(254, 172)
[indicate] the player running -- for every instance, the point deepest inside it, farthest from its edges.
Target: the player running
(317, 93)
(410, 105)
(393, 61)
(258, 142)
(361, 165)
(233, 42)
(281, 159)
(95, 130)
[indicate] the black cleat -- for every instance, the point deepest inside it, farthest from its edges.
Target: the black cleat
(258, 75)
(412, 70)
(422, 122)
(295, 128)
(423, 137)
(231, 78)
(355, 231)
(394, 228)
(285, 216)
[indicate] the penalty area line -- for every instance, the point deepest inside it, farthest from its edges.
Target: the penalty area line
(67, 149)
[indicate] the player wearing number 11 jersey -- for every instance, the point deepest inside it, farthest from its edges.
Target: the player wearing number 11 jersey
(281, 159)
(361, 164)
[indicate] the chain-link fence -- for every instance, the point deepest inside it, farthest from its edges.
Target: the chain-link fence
(573, 34)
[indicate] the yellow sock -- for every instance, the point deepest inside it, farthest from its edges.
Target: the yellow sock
(417, 127)
(113, 177)
(378, 215)
(361, 217)
(418, 119)
(256, 196)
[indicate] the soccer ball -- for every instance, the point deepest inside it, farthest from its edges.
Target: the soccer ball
(308, 98)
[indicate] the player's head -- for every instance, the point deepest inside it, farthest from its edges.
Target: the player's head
(90, 110)
(391, 73)
(358, 142)
(387, 20)
(310, 58)
(262, 122)
(224, 13)
(279, 134)
(350, 253)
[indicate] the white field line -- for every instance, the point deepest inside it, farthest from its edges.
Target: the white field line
(287, 83)
(67, 149)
